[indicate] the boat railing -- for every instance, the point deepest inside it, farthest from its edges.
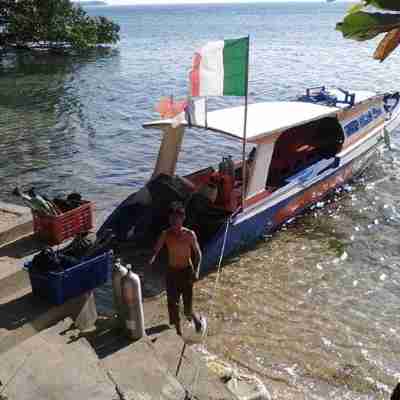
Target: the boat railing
(349, 98)
(320, 95)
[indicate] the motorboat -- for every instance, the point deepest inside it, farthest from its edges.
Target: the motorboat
(297, 152)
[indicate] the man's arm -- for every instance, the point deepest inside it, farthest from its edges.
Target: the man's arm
(197, 255)
(159, 245)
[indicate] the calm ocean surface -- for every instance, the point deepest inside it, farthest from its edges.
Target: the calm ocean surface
(314, 310)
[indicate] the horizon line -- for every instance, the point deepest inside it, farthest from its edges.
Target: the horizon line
(200, 2)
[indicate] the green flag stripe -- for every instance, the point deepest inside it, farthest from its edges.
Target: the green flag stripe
(235, 56)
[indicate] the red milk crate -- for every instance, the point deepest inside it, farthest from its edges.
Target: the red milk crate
(55, 229)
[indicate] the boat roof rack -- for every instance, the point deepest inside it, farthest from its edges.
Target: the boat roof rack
(320, 95)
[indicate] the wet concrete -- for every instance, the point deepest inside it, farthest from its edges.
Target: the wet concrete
(43, 355)
(15, 222)
(98, 364)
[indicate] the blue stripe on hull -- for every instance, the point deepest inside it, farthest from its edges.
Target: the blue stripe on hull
(248, 231)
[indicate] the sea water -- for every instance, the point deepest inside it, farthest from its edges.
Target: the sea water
(313, 310)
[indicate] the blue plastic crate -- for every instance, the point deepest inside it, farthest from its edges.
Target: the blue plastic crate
(58, 287)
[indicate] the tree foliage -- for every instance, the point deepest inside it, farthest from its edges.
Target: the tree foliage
(370, 18)
(53, 24)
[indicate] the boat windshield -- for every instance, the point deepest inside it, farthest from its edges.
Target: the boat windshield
(300, 147)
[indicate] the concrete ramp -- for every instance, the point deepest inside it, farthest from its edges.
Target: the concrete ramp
(23, 316)
(194, 373)
(53, 365)
(15, 222)
(139, 374)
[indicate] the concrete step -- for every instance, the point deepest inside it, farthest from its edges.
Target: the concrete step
(139, 373)
(12, 258)
(23, 316)
(54, 365)
(207, 385)
(21, 225)
(12, 280)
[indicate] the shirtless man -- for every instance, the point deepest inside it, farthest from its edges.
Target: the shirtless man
(181, 244)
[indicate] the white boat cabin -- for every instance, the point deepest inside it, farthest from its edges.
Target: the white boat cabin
(287, 137)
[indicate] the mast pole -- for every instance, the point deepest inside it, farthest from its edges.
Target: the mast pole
(206, 111)
(244, 169)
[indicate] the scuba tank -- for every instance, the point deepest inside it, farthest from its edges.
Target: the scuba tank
(132, 302)
(221, 166)
(31, 202)
(226, 166)
(227, 181)
(230, 166)
(47, 205)
(118, 272)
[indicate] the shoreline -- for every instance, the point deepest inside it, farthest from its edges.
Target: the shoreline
(37, 337)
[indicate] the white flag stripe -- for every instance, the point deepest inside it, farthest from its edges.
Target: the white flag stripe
(212, 69)
(200, 112)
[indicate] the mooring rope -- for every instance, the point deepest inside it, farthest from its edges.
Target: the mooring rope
(221, 256)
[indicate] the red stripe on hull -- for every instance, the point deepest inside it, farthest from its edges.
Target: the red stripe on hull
(313, 194)
(255, 199)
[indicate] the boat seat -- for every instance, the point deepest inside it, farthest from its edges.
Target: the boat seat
(313, 170)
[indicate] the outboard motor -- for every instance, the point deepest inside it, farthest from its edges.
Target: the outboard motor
(132, 302)
(119, 271)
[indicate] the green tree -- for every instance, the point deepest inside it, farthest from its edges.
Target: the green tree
(53, 24)
(370, 18)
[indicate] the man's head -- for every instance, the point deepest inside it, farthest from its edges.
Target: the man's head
(177, 215)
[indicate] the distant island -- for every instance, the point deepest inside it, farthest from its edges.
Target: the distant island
(92, 3)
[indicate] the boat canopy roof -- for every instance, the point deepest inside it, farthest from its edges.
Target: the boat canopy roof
(263, 119)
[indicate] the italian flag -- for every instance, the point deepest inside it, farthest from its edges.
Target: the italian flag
(220, 69)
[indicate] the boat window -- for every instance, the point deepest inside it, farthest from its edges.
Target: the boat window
(299, 147)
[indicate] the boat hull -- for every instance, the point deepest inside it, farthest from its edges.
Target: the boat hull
(360, 129)
(245, 229)
(359, 150)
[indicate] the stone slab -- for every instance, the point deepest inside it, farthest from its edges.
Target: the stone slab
(6, 219)
(16, 222)
(8, 267)
(12, 258)
(14, 208)
(54, 365)
(139, 374)
(248, 389)
(23, 316)
(208, 385)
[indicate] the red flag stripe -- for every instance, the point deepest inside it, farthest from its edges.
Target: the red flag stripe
(195, 75)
